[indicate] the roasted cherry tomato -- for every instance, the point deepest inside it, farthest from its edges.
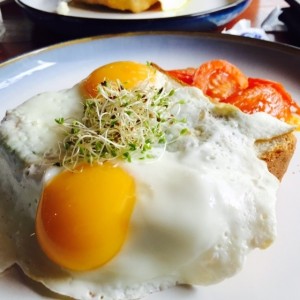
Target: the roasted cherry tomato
(224, 82)
(219, 79)
(267, 96)
(184, 75)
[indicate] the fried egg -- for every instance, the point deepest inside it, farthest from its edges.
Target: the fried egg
(188, 213)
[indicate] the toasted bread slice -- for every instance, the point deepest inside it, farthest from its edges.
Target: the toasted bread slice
(135, 6)
(277, 153)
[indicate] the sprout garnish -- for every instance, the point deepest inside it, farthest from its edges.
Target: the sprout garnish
(119, 123)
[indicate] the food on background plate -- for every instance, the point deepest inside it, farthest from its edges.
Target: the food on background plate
(136, 6)
(131, 182)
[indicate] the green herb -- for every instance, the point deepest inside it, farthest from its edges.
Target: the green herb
(119, 123)
(60, 121)
(184, 131)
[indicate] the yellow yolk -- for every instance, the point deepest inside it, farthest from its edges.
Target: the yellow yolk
(129, 73)
(83, 216)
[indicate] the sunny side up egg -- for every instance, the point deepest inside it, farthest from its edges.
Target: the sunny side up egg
(188, 213)
(101, 225)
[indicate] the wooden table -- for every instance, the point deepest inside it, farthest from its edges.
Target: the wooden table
(23, 36)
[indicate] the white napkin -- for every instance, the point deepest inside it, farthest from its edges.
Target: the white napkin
(243, 28)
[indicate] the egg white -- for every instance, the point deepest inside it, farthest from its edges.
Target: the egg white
(201, 207)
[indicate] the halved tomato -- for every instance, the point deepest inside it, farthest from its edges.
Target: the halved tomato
(184, 75)
(219, 79)
(224, 82)
(267, 96)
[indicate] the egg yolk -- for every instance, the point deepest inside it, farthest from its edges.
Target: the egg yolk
(83, 216)
(129, 73)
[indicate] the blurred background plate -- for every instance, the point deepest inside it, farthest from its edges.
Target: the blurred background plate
(85, 20)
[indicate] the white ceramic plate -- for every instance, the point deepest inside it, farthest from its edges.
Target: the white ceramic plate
(100, 12)
(272, 274)
(87, 20)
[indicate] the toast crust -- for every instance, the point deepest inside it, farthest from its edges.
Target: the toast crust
(135, 6)
(277, 153)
